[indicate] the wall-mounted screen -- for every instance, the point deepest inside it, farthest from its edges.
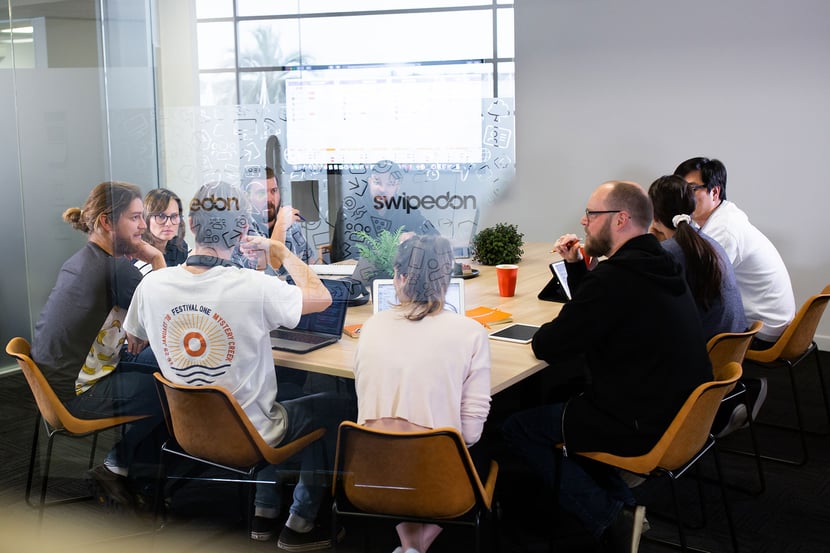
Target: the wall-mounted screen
(359, 115)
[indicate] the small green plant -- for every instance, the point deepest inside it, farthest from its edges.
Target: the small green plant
(499, 244)
(380, 252)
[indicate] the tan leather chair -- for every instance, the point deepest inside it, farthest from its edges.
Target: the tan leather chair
(423, 476)
(726, 347)
(687, 439)
(794, 346)
(723, 349)
(57, 421)
(208, 427)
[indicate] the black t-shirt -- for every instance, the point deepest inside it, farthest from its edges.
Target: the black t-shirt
(89, 285)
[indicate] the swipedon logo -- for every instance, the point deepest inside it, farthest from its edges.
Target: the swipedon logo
(411, 201)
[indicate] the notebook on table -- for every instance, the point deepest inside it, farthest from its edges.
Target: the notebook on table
(384, 296)
(316, 330)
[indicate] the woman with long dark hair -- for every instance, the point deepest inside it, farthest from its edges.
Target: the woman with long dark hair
(708, 272)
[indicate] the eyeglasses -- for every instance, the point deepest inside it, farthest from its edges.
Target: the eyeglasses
(696, 187)
(589, 212)
(162, 218)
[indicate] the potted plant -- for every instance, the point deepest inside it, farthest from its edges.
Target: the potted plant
(379, 252)
(498, 244)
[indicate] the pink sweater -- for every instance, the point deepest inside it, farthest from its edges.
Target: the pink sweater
(433, 373)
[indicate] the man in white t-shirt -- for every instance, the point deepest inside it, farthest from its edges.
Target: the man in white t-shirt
(760, 272)
(209, 322)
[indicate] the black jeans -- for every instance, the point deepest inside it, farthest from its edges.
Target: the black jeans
(129, 390)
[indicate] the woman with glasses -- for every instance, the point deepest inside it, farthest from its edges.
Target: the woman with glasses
(165, 228)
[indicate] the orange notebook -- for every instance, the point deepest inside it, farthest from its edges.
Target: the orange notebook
(489, 316)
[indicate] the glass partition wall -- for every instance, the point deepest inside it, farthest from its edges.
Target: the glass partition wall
(78, 108)
(176, 93)
(336, 86)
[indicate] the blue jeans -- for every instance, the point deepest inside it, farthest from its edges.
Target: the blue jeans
(316, 462)
(129, 390)
(594, 493)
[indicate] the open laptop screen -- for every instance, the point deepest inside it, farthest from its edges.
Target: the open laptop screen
(384, 296)
(330, 320)
(315, 330)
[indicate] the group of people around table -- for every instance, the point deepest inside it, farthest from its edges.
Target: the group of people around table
(135, 300)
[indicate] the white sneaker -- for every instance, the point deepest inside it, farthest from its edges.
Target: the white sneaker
(762, 396)
(737, 420)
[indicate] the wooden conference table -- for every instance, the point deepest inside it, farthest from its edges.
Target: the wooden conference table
(511, 362)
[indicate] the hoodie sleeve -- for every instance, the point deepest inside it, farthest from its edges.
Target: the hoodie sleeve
(582, 322)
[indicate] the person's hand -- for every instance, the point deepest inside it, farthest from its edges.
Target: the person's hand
(296, 217)
(405, 236)
(286, 216)
(150, 254)
(135, 345)
(567, 246)
(256, 248)
(656, 232)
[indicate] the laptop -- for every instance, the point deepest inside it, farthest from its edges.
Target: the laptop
(316, 330)
(384, 296)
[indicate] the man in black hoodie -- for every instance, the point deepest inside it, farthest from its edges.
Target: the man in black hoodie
(634, 320)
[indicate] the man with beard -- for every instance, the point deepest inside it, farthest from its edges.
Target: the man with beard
(78, 337)
(283, 222)
(283, 225)
(375, 208)
(634, 321)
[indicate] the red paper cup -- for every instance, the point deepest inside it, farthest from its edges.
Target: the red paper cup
(506, 275)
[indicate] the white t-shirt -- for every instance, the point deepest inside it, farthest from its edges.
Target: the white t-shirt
(762, 277)
(213, 329)
(434, 372)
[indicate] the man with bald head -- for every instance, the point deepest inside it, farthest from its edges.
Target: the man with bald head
(634, 321)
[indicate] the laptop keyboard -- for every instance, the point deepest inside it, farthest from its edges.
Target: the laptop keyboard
(298, 337)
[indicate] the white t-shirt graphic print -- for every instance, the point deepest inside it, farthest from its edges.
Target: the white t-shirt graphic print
(213, 328)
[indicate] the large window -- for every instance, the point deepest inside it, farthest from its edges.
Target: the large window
(338, 85)
(248, 48)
